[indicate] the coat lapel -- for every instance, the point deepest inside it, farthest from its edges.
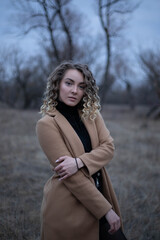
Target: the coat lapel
(72, 140)
(71, 136)
(92, 130)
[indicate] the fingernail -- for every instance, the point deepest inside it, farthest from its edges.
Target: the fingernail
(56, 160)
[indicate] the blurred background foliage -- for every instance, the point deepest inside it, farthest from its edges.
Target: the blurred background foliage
(62, 33)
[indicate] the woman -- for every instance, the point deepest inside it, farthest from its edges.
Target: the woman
(78, 202)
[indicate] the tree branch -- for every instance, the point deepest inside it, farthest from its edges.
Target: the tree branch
(34, 27)
(110, 4)
(36, 15)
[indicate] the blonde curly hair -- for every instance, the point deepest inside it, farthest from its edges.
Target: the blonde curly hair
(89, 104)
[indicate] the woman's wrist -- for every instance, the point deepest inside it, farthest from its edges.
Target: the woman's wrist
(79, 163)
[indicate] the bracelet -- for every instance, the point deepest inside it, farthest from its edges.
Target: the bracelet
(76, 163)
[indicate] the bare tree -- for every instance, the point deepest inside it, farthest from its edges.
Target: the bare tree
(22, 80)
(126, 75)
(112, 14)
(29, 80)
(2, 79)
(55, 23)
(5, 73)
(150, 62)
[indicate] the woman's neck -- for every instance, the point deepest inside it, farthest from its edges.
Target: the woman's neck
(63, 107)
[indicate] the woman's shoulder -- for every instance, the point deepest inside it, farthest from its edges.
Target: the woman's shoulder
(99, 121)
(47, 119)
(98, 116)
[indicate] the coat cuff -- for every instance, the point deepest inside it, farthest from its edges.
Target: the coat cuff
(105, 211)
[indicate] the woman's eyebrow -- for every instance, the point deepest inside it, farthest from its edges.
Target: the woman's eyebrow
(74, 81)
(70, 79)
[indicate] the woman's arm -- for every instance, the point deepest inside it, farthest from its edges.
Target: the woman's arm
(103, 153)
(79, 184)
(94, 160)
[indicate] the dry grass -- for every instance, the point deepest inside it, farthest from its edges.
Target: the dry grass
(134, 172)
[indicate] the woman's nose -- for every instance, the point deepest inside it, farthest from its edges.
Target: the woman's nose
(74, 89)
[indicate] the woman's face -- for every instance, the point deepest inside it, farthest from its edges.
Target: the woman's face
(71, 89)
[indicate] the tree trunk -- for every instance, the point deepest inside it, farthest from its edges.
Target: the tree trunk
(56, 53)
(67, 31)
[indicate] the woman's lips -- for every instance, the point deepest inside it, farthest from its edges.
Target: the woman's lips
(72, 98)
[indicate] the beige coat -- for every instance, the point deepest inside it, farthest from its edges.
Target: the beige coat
(72, 207)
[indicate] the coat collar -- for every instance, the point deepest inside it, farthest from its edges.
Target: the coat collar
(70, 133)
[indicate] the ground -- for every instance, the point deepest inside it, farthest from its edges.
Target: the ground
(134, 172)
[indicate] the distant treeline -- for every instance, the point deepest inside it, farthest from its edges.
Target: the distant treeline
(64, 33)
(22, 83)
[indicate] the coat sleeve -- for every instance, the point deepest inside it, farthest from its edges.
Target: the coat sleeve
(103, 153)
(78, 184)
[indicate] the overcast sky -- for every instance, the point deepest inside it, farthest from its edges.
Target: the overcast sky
(143, 29)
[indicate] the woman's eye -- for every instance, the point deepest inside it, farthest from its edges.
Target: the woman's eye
(82, 87)
(68, 83)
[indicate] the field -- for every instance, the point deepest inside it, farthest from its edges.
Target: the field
(134, 171)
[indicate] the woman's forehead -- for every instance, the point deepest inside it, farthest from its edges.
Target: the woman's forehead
(74, 75)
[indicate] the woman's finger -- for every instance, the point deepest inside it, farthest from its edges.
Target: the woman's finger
(61, 159)
(58, 168)
(66, 176)
(61, 174)
(114, 228)
(111, 230)
(118, 225)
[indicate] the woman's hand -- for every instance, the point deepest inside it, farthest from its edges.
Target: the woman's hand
(67, 166)
(113, 220)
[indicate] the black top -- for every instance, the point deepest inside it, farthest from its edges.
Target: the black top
(72, 115)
